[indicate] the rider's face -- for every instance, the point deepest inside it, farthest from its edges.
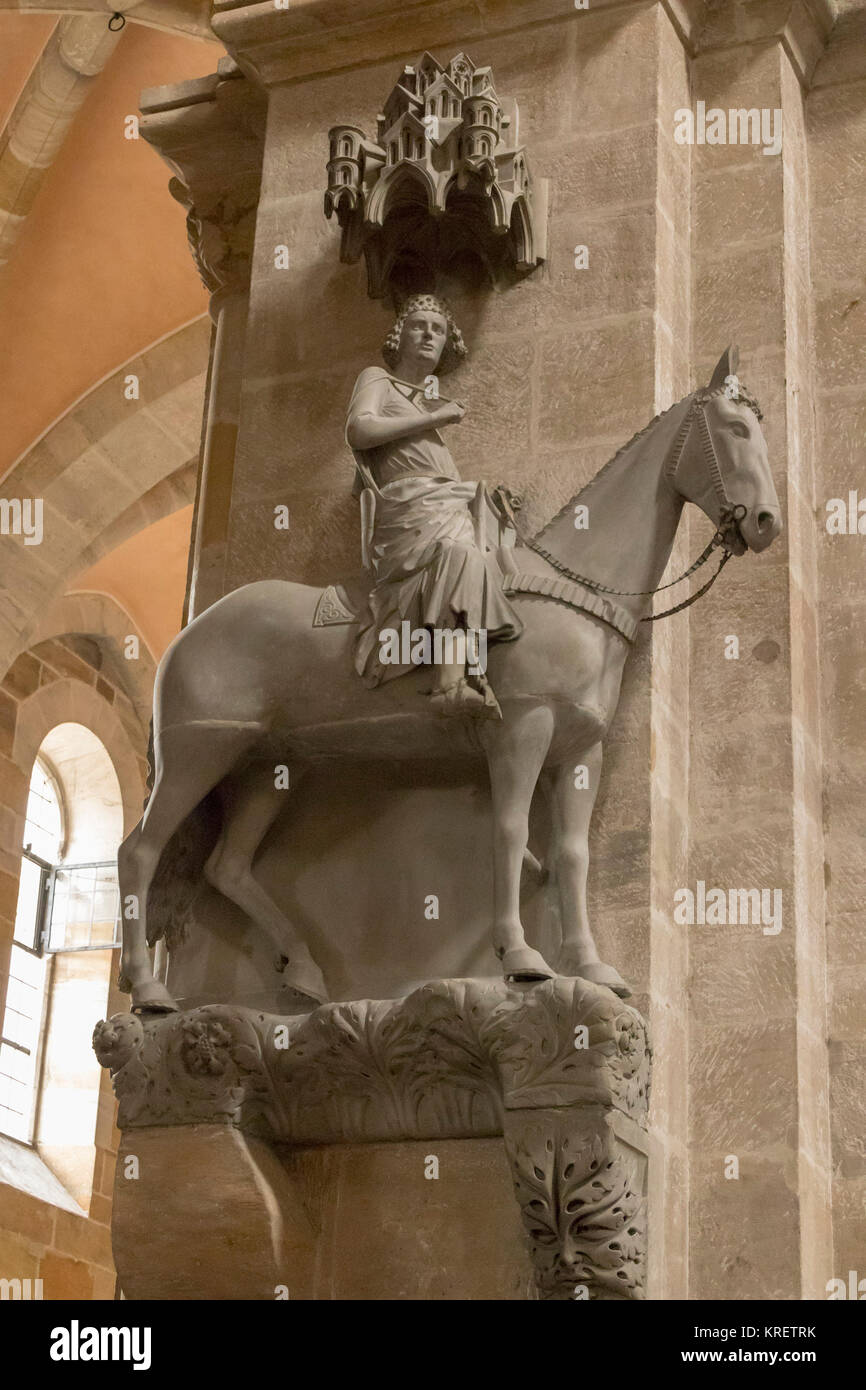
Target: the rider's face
(423, 339)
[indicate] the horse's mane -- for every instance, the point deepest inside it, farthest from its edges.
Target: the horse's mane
(611, 461)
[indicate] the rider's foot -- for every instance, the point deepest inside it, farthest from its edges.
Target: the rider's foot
(594, 970)
(522, 964)
(457, 698)
(492, 708)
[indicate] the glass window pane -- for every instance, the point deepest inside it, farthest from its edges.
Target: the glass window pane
(43, 830)
(85, 908)
(29, 902)
(22, 1022)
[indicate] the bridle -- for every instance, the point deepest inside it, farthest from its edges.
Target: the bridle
(730, 515)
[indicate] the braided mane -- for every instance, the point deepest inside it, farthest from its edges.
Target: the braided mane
(611, 461)
(703, 393)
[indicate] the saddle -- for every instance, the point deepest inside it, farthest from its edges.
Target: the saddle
(495, 529)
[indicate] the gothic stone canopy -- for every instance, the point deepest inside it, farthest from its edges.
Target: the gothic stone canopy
(445, 192)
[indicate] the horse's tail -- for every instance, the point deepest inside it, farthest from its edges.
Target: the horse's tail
(151, 763)
(179, 877)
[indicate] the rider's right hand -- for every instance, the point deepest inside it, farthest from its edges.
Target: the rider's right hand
(450, 413)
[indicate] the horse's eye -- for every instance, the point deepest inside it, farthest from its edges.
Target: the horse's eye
(740, 430)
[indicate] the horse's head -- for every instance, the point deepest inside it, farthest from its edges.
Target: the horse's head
(719, 462)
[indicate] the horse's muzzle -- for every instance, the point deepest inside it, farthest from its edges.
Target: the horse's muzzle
(760, 527)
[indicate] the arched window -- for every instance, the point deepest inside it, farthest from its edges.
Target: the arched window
(443, 105)
(67, 909)
(346, 145)
(486, 118)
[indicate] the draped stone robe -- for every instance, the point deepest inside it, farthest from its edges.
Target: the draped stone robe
(428, 567)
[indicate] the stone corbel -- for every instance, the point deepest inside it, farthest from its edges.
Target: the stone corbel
(560, 1069)
(211, 134)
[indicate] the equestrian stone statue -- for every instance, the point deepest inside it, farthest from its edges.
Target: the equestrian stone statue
(269, 674)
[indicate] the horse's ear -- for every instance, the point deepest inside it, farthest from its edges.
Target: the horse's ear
(726, 366)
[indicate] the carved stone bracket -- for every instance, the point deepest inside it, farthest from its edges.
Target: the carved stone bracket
(580, 1178)
(211, 133)
(445, 192)
(561, 1069)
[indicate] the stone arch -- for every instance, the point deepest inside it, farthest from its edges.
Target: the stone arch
(72, 702)
(101, 469)
(392, 185)
(101, 617)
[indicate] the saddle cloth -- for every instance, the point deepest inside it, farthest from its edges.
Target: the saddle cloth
(335, 607)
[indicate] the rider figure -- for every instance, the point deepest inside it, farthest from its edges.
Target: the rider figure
(429, 568)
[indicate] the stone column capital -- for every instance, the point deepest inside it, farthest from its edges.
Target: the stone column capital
(802, 27)
(211, 133)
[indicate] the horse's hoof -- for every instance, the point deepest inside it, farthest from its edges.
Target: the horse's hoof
(596, 972)
(305, 977)
(522, 964)
(152, 998)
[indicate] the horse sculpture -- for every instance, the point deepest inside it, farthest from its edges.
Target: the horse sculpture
(255, 682)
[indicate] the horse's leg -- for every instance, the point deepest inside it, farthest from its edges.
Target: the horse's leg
(251, 804)
(191, 760)
(515, 750)
(571, 813)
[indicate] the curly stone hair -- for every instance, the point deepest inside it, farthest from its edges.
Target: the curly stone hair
(455, 349)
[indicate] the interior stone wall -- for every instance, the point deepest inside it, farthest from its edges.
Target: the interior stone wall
(758, 1056)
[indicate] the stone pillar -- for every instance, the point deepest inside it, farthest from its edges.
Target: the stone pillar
(758, 1075)
(206, 582)
(836, 129)
(211, 133)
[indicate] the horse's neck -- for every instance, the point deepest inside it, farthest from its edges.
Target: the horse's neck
(633, 514)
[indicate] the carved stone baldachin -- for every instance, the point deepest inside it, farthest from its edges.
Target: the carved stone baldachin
(445, 183)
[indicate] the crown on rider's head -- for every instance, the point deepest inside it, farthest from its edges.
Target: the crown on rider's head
(455, 349)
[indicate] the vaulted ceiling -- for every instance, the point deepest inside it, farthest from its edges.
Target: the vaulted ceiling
(99, 275)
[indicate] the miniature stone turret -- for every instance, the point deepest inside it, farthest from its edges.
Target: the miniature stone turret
(445, 144)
